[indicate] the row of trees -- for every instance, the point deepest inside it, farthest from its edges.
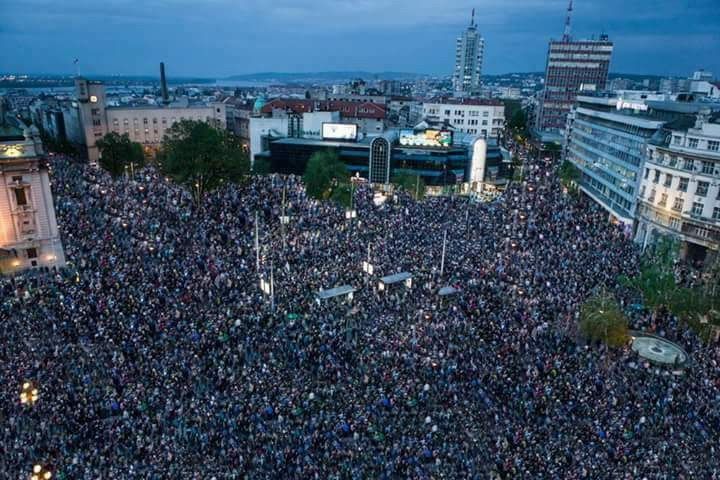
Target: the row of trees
(193, 153)
(202, 158)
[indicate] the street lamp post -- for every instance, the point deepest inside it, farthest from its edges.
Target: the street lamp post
(442, 259)
(257, 243)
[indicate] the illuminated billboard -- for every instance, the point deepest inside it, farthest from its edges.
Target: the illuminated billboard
(339, 131)
(428, 138)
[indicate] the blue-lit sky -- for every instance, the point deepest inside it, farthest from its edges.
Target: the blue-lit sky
(227, 37)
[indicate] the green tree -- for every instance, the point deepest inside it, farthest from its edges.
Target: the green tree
(413, 184)
(261, 166)
(660, 291)
(202, 157)
(656, 279)
(569, 175)
(324, 174)
(117, 151)
(602, 320)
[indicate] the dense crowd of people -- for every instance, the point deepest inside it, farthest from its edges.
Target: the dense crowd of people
(156, 354)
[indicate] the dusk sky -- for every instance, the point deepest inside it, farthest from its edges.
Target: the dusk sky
(227, 37)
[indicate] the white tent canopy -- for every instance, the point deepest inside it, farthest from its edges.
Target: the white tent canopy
(336, 292)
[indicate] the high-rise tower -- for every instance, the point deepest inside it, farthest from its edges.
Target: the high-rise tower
(469, 53)
(573, 66)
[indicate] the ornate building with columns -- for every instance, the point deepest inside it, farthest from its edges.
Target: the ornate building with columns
(29, 235)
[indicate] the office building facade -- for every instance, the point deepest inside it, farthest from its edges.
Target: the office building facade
(144, 124)
(573, 67)
(470, 161)
(606, 141)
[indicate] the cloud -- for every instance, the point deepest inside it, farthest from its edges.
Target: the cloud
(222, 37)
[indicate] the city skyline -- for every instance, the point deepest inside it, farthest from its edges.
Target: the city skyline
(224, 39)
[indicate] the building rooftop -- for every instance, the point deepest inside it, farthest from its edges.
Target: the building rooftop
(466, 101)
(345, 107)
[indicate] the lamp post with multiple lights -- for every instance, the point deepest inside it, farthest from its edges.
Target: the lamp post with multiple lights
(29, 394)
(40, 472)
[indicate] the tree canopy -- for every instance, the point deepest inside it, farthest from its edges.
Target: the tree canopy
(117, 151)
(202, 157)
(413, 184)
(261, 166)
(517, 118)
(569, 175)
(602, 320)
(656, 282)
(325, 175)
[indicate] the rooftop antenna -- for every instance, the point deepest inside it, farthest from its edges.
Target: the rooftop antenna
(76, 62)
(472, 18)
(566, 34)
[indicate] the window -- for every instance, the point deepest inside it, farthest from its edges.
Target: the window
(677, 139)
(693, 142)
(673, 161)
(713, 145)
(651, 197)
(20, 197)
(688, 164)
(145, 121)
(486, 114)
(31, 253)
(675, 223)
(657, 176)
(663, 200)
(647, 172)
(716, 213)
(708, 167)
(447, 113)
(484, 122)
(702, 189)
(683, 184)
(678, 204)
(668, 179)
(642, 191)
(697, 208)
(155, 121)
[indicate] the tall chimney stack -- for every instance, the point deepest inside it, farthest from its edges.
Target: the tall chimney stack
(163, 84)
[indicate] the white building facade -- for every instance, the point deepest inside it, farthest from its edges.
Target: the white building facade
(680, 190)
(29, 236)
(485, 118)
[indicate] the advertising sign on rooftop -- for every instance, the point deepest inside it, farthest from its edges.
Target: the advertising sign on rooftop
(428, 138)
(339, 131)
